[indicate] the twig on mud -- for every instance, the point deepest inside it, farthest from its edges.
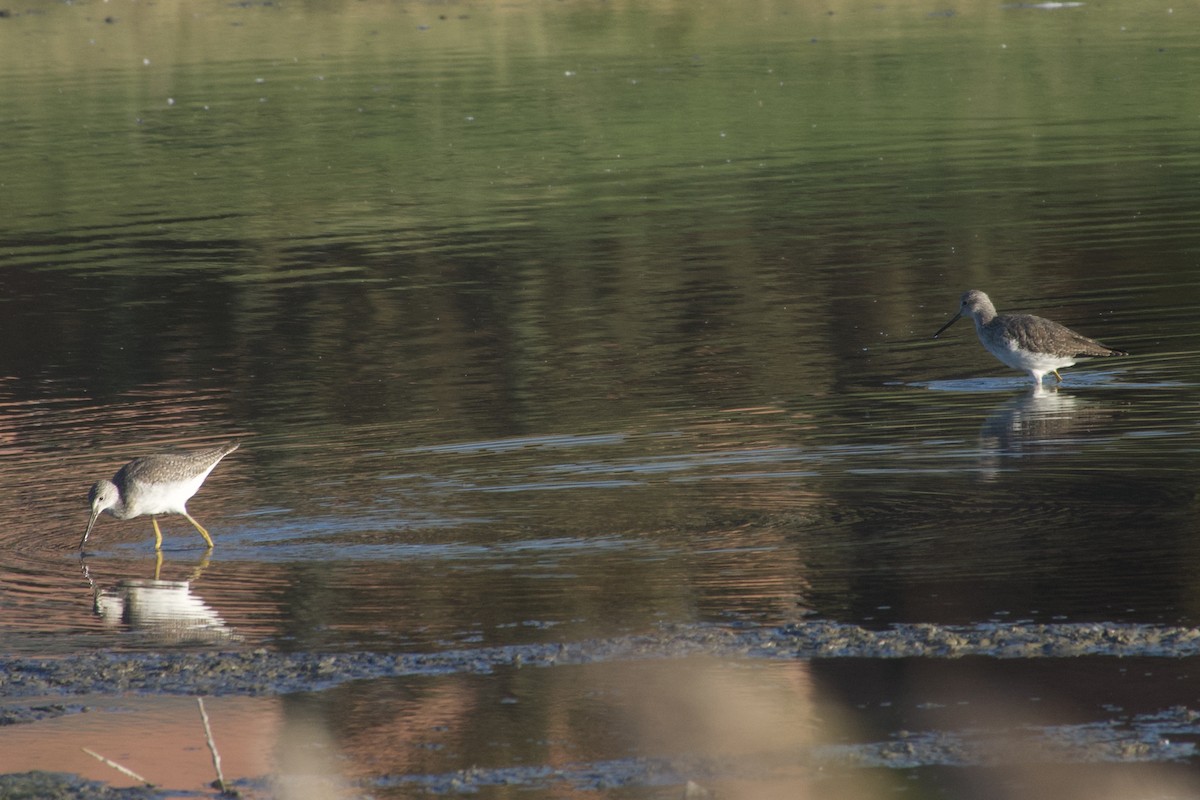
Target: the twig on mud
(123, 770)
(212, 748)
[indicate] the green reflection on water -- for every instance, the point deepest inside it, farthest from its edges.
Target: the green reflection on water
(664, 204)
(353, 120)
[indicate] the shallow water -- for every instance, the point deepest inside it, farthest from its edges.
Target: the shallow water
(546, 323)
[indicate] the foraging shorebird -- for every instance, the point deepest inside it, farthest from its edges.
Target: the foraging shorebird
(158, 484)
(1022, 341)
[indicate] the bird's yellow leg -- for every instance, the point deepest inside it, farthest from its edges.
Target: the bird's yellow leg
(200, 528)
(157, 563)
(1057, 377)
(157, 534)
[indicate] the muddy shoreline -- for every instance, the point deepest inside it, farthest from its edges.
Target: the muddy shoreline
(1150, 738)
(262, 671)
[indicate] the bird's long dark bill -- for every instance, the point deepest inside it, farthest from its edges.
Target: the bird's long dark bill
(88, 532)
(953, 320)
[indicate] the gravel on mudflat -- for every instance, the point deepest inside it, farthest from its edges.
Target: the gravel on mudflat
(262, 671)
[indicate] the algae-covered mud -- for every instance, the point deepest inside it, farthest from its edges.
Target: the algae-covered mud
(60, 786)
(271, 672)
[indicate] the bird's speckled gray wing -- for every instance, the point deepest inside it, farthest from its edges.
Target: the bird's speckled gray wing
(172, 466)
(1041, 335)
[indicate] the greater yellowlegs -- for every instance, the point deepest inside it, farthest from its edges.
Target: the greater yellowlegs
(158, 484)
(1022, 341)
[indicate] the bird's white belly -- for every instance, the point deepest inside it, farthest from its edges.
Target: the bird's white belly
(161, 498)
(1027, 360)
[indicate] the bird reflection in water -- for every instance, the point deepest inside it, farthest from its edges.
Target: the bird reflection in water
(164, 610)
(1040, 421)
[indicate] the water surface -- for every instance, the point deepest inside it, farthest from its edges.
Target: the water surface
(546, 323)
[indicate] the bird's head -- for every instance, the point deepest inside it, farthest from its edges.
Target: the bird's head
(974, 304)
(103, 496)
